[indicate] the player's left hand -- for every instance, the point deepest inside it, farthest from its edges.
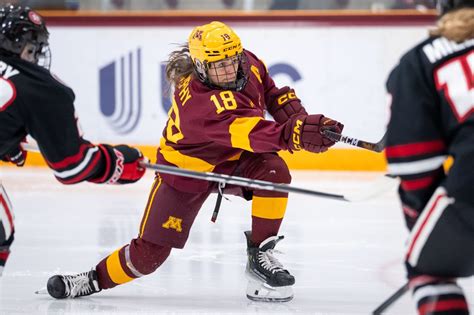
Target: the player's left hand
(304, 132)
(122, 164)
(132, 170)
(16, 156)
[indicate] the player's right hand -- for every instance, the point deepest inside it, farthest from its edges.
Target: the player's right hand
(304, 132)
(16, 156)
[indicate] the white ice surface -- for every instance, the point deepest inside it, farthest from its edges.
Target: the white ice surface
(346, 257)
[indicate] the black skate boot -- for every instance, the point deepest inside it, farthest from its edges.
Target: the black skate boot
(72, 286)
(268, 280)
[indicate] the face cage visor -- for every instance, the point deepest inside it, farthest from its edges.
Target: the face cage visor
(227, 74)
(37, 44)
(43, 57)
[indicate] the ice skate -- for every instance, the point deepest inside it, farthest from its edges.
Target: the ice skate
(268, 280)
(72, 286)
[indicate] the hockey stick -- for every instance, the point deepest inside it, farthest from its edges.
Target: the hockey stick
(376, 147)
(391, 299)
(383, 184)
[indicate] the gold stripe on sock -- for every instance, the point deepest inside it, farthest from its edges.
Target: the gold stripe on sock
(269, 207)
(115, 270)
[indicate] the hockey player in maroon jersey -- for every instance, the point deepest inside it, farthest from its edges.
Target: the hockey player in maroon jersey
(432, 92)
(216, 123)
(33, 102)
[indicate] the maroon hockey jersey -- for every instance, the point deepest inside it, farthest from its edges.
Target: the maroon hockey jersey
(207, 129)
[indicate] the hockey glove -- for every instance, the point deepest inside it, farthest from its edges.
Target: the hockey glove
(16, 156)
(122, 164)
(285, 106)
(304, 132)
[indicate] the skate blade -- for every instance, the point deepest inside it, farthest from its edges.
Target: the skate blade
(42, 291)
(261, 292)
(269, 299)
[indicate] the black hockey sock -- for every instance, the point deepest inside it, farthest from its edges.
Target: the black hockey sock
(439, 297)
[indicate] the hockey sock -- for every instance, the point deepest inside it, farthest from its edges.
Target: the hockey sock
(130, 262)
(434, 296)
(267, 215)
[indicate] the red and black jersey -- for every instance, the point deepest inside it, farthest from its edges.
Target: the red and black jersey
(208, 127)
(33, 102)
(432, 117)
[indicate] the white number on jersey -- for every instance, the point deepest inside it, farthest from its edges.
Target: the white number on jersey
(456, 78)
(7, 93)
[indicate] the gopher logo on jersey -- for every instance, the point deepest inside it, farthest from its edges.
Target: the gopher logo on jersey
(173, 223)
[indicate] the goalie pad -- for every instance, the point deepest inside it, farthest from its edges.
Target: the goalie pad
(6, 217)
(259, 291)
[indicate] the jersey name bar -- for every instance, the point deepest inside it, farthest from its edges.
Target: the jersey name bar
(442, 47)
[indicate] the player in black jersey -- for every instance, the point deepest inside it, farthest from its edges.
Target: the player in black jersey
(33, 102)
(432, 117)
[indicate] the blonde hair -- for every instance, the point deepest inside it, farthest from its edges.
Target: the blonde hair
(457, 25)
(179, 65)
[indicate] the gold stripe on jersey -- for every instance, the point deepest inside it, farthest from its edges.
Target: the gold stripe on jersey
(269, 207)
(236, 157)
(183, 161)
(115, 270)
(256, 73)
(151, 198)
(240, 130)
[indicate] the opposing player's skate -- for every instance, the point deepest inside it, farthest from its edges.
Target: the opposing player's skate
(72, 286)
(268, 280)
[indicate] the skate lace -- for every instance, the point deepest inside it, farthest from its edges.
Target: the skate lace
(269, 262)
(78, 285)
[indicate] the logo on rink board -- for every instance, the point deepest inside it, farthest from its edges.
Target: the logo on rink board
(173, 223)
(120, 86)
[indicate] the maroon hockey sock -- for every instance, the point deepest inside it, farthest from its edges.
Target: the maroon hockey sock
(263, 229)
(130, 262)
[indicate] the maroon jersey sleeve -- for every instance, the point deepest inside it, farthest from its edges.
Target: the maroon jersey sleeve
(281, 103)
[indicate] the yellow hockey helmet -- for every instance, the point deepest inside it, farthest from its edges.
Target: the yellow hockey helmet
(214, 42)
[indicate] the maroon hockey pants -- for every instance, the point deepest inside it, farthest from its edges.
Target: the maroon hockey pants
(170, 213)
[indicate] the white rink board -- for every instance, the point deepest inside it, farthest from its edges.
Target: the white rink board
(343, 70)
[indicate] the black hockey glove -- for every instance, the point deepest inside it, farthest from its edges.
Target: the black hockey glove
(122, 164)
(16, 156)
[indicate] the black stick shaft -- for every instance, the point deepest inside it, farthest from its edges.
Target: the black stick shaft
(392, 299)
(376, 147)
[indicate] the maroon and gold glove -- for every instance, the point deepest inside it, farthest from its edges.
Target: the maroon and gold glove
(285, 106)
(304, 132)
(122, 164)
(16, 156)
